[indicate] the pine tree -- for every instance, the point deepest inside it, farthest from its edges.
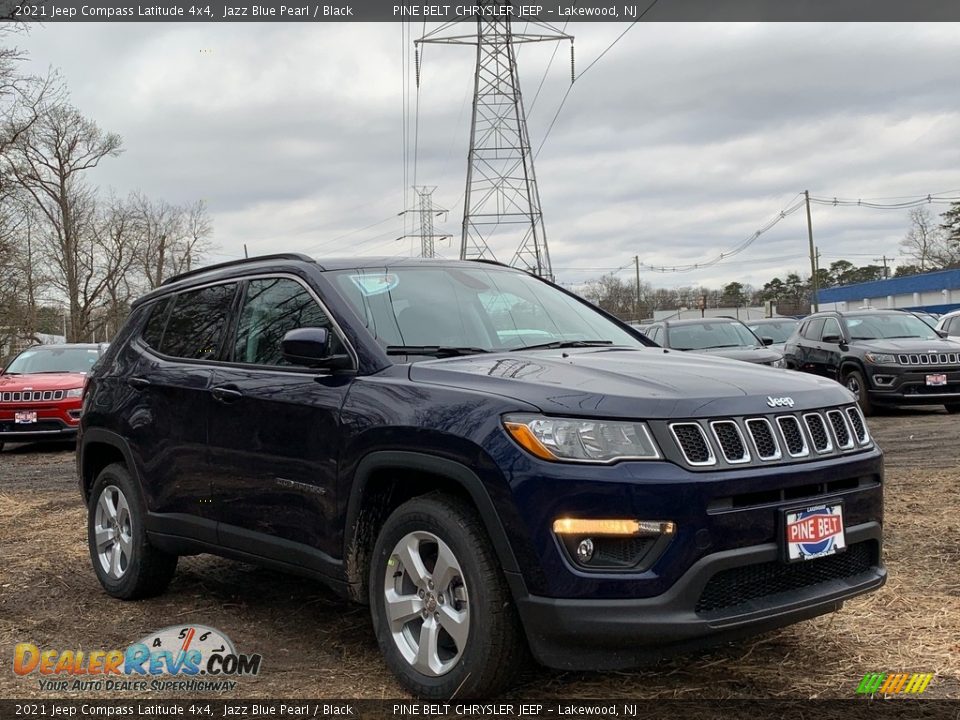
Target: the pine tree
(951, 224)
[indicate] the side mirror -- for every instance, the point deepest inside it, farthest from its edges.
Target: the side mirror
(310, 347)
(941, 333)
(832, 339)
(767, 340)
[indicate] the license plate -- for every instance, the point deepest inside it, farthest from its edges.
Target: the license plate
(25, 418)
(814, 532)
(936, 380)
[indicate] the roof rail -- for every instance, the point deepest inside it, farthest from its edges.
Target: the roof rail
(243, 261)
(492, 262)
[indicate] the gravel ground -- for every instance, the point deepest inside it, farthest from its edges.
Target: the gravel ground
(315, 645)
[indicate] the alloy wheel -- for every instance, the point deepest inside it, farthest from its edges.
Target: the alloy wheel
(113, 532)
(426, 603)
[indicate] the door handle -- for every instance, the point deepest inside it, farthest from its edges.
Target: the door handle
(226, 394)
(138, 383)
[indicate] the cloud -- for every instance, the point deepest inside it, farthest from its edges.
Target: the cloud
(677, 145)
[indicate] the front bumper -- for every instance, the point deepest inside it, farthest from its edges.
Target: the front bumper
(43, 429)
(581, 634)
(908, 386)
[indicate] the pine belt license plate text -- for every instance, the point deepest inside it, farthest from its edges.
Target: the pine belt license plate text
(814, 532)
(938, 379)
(27, 417)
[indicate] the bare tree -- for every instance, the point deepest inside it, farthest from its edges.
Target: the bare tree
(49, 162)
(172, 237)
(925, 243)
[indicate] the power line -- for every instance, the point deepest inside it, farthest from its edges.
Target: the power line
(584, 71)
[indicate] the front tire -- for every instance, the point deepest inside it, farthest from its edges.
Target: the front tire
(856, 383)
(127, 565)
(442, 613)
(953, 408)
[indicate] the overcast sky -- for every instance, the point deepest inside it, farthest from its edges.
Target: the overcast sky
(677, 145)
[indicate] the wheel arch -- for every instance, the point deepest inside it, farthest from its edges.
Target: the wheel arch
(385, 479)
(98, 449)
(848, 364)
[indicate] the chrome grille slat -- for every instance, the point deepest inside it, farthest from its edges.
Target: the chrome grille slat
(858, 424)
(731, 441)
(793, 436)
(693, 443)
(763, 438)
(841, 431)
(818, 432)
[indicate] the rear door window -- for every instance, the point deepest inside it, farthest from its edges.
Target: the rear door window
(198, 322)
(153, 330)
(813, 329)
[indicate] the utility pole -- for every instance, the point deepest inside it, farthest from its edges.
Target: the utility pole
(886, 270)
(814, 280)
(636, 260)
(427, 212)
(501, 188)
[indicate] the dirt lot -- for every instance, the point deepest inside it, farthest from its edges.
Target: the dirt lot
(315, 645)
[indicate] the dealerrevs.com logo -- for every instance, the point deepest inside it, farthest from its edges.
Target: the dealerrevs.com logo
(191, 658)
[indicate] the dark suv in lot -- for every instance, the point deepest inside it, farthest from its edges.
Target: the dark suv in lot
(495, 466)
(884, 357)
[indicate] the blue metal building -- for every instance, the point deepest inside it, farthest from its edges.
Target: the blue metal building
(937, 292)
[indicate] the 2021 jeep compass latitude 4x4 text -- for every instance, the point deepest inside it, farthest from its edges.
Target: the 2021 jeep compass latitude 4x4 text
(497, 467)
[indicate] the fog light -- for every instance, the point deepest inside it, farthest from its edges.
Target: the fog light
(585, 550)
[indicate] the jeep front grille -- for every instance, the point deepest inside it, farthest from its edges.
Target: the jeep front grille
(778, 438)
(25, 396)
(929, 359)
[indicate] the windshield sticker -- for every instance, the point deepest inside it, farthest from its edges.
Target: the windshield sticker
(375, 284)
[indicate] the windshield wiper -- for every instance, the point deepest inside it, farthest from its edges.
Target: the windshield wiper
(564, 344)
(436, 350)
(720, 347)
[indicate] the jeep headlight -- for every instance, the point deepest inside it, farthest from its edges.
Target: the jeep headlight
(881, 358)
(578, 440)
(74, 393)
(781, 363)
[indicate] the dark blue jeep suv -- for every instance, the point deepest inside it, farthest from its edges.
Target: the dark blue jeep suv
(496, 466)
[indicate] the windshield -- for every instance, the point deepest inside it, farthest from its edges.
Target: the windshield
(779, 331)
(889, 327)
(53, 360)
(703, 336)
(480, 308)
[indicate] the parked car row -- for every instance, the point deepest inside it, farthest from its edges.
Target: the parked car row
(884, 357)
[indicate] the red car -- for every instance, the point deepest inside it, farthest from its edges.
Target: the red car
(41, 392)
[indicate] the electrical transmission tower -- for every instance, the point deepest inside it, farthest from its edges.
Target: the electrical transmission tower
(501, 187)
(427, 211)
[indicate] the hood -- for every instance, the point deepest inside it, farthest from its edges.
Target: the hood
(908, 345)
(759, 355)
(643, 383)
(42, 381)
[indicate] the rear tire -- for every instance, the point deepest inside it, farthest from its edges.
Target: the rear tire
(857, 384)
(455, 631)
(953, 408)
(127, 565)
